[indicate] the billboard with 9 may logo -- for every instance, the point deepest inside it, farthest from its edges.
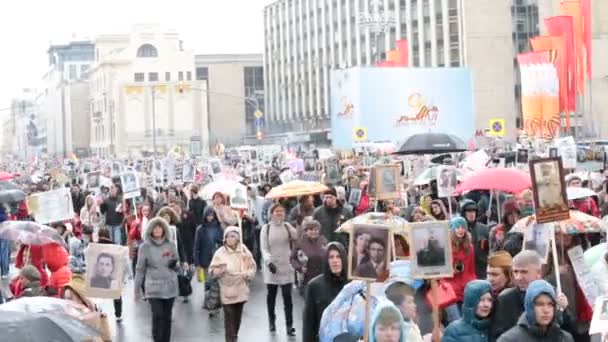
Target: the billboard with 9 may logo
(391, 104)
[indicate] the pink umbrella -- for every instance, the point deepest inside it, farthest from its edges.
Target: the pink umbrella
(6, 175)
(502, 179)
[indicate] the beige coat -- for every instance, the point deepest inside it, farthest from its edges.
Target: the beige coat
(239, 271)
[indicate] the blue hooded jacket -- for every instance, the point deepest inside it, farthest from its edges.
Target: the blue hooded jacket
(527, 328)
(470, 327)
(381, 308)
(209, 236)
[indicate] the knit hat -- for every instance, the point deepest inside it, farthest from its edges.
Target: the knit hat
(30, 273)
(458, 221)
(309, 223)
(331, 191)
(500, 259)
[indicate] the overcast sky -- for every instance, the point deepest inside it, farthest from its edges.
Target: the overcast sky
(27, 27)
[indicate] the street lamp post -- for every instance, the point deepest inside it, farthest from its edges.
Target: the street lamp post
(378, 22)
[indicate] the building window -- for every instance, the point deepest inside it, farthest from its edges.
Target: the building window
(147, 50)
(180, 76)
(189, 75)
(153, 76)
(84, 68)
(167, 76)
(202, 74)
(72, 72)
(139, 77)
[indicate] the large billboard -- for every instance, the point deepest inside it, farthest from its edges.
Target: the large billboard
(391, 104)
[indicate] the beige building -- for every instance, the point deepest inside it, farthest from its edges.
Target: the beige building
(236, 91)
(144, 97)
(594, 112)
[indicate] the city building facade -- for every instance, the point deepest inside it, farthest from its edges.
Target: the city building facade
(144, 96)
(62, 100)
(235, 92)
(306, 39)
(24, 130)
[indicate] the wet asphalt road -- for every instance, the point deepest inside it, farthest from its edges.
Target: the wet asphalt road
(192, 323)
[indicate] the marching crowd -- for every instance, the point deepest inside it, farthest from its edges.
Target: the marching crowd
(500, 291)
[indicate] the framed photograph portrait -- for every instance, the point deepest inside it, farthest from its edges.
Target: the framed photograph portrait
(369, 252)
(599, 320)
(130, 184)
(447, 180)
(216, 166)
(537, 238)
(105, 270)
(401, 246)
(332, 171)
(548, 185)
(93, 179)
(354, 197)
(238, 197)
(553, 152)
(522, 156)
(387, 182)
(188, 172)
(159, 173)
(431, 254)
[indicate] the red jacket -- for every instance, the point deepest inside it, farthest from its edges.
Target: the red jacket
(57, 259)
(363, 206)
(460, 279)
(35, 259)
(587, 206)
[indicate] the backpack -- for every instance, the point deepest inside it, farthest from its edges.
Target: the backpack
(288, 236)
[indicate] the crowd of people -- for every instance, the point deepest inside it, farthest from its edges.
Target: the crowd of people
(501, 291)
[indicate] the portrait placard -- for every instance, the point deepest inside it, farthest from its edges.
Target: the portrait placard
(332, 171)
(431, 254)
(387, 182)
(130, 185)
(188, 172)
(105, 270)
(354, 197)
(158, 173)
(93, 181)
(51, 206)
(522, 156)
(238, 197)
(369, 253)
(550, 201)
(599, 320)
(447, 180)
(537, 238)
(553, 152)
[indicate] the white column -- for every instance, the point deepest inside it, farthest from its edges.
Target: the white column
(340, 35)
(368, 50)
(410, 35)
(283, 56)
(288, 65)
(349, 43)
(358, 32)
(397, 15)
(297, 67)
(445, 20)
(318, 60)
(421, 49)
(309, 24)
(460, 33)
(387, 35)
(433, 22)
(275, 63)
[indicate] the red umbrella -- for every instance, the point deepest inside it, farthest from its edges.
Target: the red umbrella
(502, 179)
(6, 176)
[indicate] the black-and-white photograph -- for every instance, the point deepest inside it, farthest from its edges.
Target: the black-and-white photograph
(553, 152)
(238, 198)
(522, 156)
(369, 252)
(387, 182)
(431, 256)
(216, 166)
(550, 201)
(130, 183)
(116, 168)
(93, 180)
(158, 173)
(188, 172)
(599, 321)
(354, 197)
(106, 270)
(447, 180)
(537, 238)
(332, 172)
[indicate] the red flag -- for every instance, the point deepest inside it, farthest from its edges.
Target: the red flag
(587, 29)
(562, 26)
(573, 9)
(403, 52)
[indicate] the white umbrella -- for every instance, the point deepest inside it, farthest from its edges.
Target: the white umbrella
(225, 187)
(579, 192)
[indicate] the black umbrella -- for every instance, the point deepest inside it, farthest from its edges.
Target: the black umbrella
(34, 327)
(10, 196)
(6, 185)
(432, 143)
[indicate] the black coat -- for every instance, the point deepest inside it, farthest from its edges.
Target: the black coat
(197, 208)
(480, 235)
(524, 332)
(108, 208)
(321, 291)
(508, 307)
